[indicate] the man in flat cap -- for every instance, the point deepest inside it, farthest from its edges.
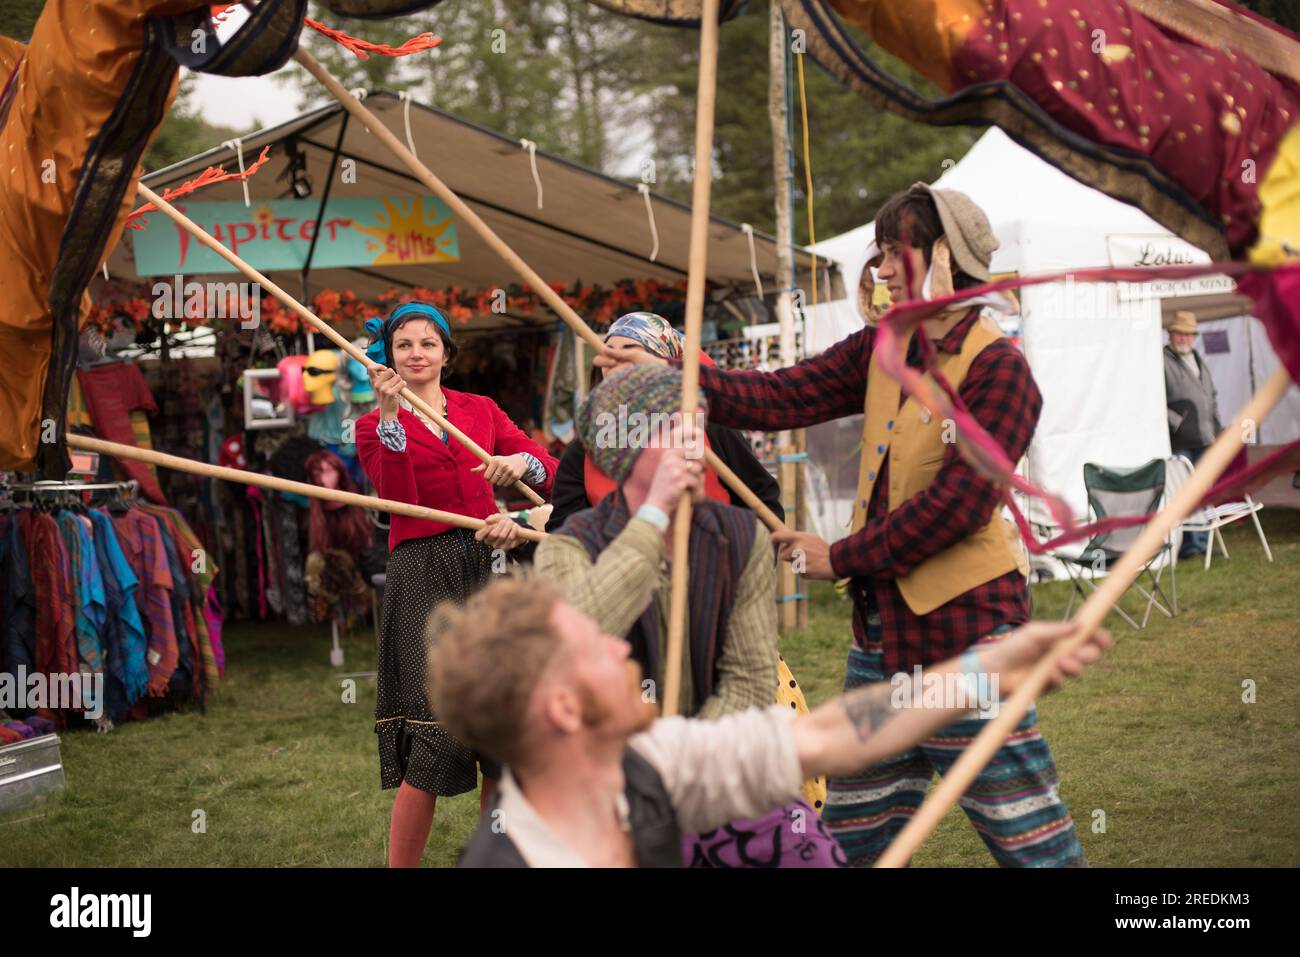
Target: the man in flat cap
(1193, 406)
(932, 569)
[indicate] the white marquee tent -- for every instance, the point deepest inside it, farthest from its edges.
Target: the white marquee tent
(1095, 349)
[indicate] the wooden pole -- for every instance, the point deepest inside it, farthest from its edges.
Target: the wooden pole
(498, 245)
(205, 470)
(734, 482)
(199, 233)
(695, 278)
(800, 489)
(1089, 617)
(440, 189)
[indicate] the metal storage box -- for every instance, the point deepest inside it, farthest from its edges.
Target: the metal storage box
(30, 771)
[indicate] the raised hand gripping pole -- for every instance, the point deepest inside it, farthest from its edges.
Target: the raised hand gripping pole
(319, 325)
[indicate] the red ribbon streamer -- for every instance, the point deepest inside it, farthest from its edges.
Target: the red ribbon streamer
(211, 175)
(363, 48)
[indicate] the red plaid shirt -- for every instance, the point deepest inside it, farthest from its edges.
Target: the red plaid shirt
(1000, 392)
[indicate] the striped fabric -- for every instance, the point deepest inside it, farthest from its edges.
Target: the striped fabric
(1014, 805)
(140, 426)
(722, 541)
(78, 414)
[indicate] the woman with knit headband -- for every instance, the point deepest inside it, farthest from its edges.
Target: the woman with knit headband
(410, 459)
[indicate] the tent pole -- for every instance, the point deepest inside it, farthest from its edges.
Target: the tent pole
(320, 212)
(498, 245)
(167, 209)
(1089, 617)
(789, 472)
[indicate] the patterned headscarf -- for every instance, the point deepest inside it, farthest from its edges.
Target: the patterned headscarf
(612, 411)
(654, 332)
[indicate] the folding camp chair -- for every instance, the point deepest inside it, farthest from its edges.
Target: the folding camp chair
(1211, 518)
(1119, 493)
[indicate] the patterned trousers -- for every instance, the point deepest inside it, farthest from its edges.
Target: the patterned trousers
(1014, 804)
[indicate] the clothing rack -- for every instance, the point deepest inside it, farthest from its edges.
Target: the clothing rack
(129, 488)
(130, 485)
(155, 637)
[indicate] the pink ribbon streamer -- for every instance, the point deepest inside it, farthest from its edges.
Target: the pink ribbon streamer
(1275, 291)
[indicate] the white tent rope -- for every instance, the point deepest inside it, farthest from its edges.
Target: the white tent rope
(532, 158)
(644, 190)
(753, 257)
(238, 146)
(360, 94)
(406, 98)
(106, 269)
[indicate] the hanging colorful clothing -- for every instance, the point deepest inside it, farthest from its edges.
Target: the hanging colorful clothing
(141, 541)
(89, 608)
(118, 397)
(125, 642)
(19, 634)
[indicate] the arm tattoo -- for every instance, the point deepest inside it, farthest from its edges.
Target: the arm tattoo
(869, 708)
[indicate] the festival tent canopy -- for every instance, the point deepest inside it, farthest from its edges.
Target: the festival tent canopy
(590, 228)
(1095, 349)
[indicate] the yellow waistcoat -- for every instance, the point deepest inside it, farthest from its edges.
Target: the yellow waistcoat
(914, 440)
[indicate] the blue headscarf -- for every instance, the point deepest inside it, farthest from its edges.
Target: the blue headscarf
(381, 330)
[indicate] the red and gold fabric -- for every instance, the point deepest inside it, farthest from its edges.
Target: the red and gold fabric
(1182, 107)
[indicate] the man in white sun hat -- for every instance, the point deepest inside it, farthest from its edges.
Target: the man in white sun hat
(1193, 406)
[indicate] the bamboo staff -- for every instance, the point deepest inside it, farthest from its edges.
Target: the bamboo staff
(525, 272)
(695, 277)
(320, 326)
(1089, 618)
(180, 464)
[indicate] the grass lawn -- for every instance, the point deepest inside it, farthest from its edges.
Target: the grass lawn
(1157, 737)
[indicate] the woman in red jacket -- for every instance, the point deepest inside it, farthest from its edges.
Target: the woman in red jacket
(410, 459)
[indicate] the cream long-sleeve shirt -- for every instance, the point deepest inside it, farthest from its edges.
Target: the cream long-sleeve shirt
(631, 573)
(742, 765)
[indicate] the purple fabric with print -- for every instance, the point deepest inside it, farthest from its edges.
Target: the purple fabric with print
(22, 728)
(789, 836)
(39, 725)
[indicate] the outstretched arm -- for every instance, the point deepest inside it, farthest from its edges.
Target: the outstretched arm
(745, 764)
(824, 387)
(869, 724)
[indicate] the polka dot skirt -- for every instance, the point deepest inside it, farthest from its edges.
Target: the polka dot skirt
(413, 747)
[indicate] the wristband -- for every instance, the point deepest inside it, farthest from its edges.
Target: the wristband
(655, 515)
(968, 666)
